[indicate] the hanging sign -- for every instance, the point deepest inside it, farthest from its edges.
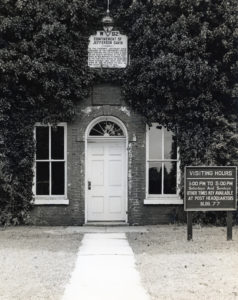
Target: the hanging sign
(107, 50)
(210, 188)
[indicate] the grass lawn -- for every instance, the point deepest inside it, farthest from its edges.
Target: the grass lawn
(172, 268)
(36, 262)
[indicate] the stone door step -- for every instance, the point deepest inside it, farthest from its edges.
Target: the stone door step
(106, 224)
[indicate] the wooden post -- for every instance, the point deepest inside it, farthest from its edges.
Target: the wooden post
(189, 225)
(229, 225)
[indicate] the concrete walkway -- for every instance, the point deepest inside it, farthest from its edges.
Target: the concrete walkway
(105, 270)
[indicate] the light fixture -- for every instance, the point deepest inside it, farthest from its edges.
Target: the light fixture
(107, 21)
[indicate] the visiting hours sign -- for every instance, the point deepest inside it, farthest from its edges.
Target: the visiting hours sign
(210, 188)
(107, 50)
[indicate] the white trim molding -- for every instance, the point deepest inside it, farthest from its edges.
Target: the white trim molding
(88, 139)
(52, 199)
(164, 199)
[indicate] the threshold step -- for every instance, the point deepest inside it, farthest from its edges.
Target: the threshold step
(106, 224)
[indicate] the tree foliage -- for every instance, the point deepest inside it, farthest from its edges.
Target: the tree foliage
(183, 73)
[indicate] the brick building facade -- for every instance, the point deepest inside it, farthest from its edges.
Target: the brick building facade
(125, 178)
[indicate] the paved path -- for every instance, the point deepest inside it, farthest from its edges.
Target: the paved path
(105, 270)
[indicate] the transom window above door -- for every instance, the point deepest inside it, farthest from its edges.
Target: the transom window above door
(106, 128)
(162, 166)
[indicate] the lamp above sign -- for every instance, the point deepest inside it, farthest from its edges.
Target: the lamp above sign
(108, 49)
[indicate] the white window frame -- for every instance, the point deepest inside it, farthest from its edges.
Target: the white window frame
(51, 199)
(161, 198)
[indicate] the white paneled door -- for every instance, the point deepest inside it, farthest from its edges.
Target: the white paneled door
(106, 182)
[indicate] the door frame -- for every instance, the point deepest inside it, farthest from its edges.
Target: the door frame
(100, 140)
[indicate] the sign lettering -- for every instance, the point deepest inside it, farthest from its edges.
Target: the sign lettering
(210, 188)
(107, 50)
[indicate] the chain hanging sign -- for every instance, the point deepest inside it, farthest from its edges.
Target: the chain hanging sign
(108, 50)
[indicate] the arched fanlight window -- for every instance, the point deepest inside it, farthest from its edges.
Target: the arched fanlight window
(106, 129)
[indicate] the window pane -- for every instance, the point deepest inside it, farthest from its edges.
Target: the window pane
(106, 128)
(155, 142)
(170, 145)
(155, 175)
(42, 178)
(57, 178)
(57, 142)
(42, 142)
(170, 172)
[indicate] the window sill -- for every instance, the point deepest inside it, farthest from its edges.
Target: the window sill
(51, 201)
(163, 201)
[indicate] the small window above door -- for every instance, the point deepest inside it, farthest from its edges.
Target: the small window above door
(106, 129)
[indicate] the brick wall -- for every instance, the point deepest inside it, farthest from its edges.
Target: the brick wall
(105, 100)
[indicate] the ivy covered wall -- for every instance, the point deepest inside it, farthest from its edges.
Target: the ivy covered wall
(183, 74)
(43, 74)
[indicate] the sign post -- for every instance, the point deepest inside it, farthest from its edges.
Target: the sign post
(229, 225)
(189, 225)
(211, 189)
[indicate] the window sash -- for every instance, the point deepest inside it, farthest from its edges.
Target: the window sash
(162, 161)
(163, 178)
(50, 141)
(50, 161)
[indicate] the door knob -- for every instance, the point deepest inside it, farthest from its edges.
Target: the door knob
(89, 185)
